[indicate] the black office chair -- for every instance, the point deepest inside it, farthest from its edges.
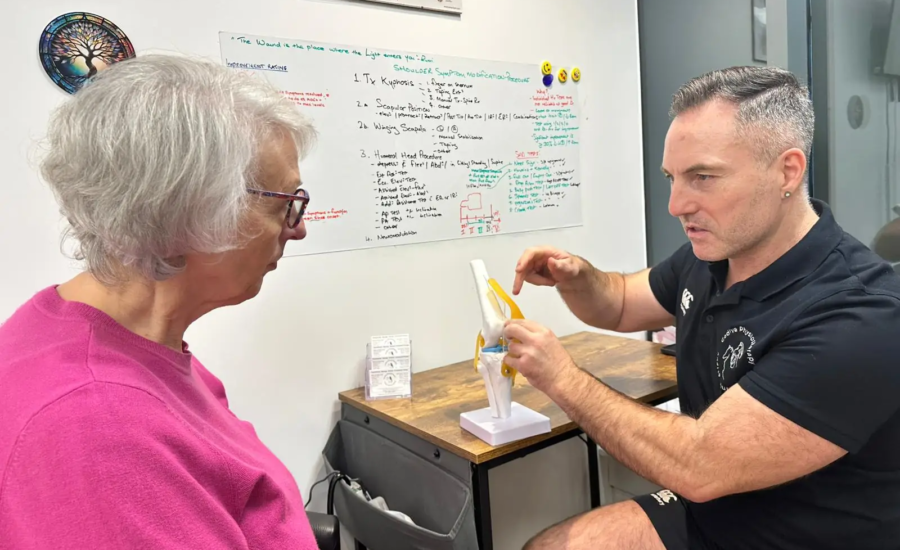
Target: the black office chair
(326, 528)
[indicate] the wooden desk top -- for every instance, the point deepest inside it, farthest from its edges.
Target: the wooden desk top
(633, 367)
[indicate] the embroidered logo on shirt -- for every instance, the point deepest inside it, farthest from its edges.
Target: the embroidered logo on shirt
(735, 351)
(663, 497)
(686, 299)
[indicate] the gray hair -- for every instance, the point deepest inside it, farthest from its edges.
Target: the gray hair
(151, 160)
(774, 111)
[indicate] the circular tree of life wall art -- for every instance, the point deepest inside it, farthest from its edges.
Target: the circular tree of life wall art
(76, 46)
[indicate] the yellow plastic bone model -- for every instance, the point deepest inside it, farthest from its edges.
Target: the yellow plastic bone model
(490, 346)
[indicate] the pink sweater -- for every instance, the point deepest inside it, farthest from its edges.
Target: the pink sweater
(109, 440)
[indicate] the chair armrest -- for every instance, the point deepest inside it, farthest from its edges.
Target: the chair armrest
(326, 529)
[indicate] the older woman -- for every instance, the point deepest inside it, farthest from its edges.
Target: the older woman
(180, 182)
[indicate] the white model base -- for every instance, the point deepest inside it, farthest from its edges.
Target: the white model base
(521, 423)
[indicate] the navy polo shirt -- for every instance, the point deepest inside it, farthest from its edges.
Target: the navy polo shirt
(816, 338)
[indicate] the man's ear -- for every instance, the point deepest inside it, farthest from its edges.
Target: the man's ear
(792, 166)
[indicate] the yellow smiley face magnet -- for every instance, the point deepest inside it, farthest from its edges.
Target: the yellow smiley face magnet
(562, 76)
(546, 67)
(576, 74)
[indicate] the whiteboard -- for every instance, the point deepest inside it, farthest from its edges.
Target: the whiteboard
(416, 148)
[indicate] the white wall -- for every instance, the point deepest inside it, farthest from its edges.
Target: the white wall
(859, 193)
(285, 355)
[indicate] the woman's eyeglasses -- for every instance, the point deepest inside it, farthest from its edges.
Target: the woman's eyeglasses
(296, 206)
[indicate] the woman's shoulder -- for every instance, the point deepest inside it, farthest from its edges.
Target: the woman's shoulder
(64, 374)
(94, 419)
(107, 421)
(113, 453)
(42, 359)
(96, 407)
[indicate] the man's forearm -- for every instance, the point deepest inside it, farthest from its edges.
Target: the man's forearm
(657, 445)
(597, 299)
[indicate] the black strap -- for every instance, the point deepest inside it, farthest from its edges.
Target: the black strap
(335, 479)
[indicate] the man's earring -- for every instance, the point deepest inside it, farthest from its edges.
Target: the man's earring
(787, 194)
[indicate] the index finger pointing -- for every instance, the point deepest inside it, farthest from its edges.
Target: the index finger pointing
(522, 267)
(517, 283)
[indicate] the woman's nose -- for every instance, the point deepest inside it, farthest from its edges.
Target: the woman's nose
(295, 234)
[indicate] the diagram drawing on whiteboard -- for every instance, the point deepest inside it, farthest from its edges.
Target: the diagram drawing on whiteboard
(473, 217)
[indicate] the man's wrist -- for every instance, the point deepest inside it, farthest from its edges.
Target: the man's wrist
(581, 282)
(571, 386)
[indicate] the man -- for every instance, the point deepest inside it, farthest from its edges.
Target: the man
(788, 347)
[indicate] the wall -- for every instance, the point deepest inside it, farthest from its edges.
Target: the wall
(862, 165)
(286, 354)
(680, 39)
(797, 25)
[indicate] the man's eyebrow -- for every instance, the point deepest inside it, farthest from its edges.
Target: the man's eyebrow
(704, 167)
(699, 167)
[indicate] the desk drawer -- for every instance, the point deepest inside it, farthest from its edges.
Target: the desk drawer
(457, 465)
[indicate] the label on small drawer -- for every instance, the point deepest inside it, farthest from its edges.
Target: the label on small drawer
(391, 363)
(392, 351)
(389, 341)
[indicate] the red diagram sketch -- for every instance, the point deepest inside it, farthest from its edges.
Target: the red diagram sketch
(475, 219)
